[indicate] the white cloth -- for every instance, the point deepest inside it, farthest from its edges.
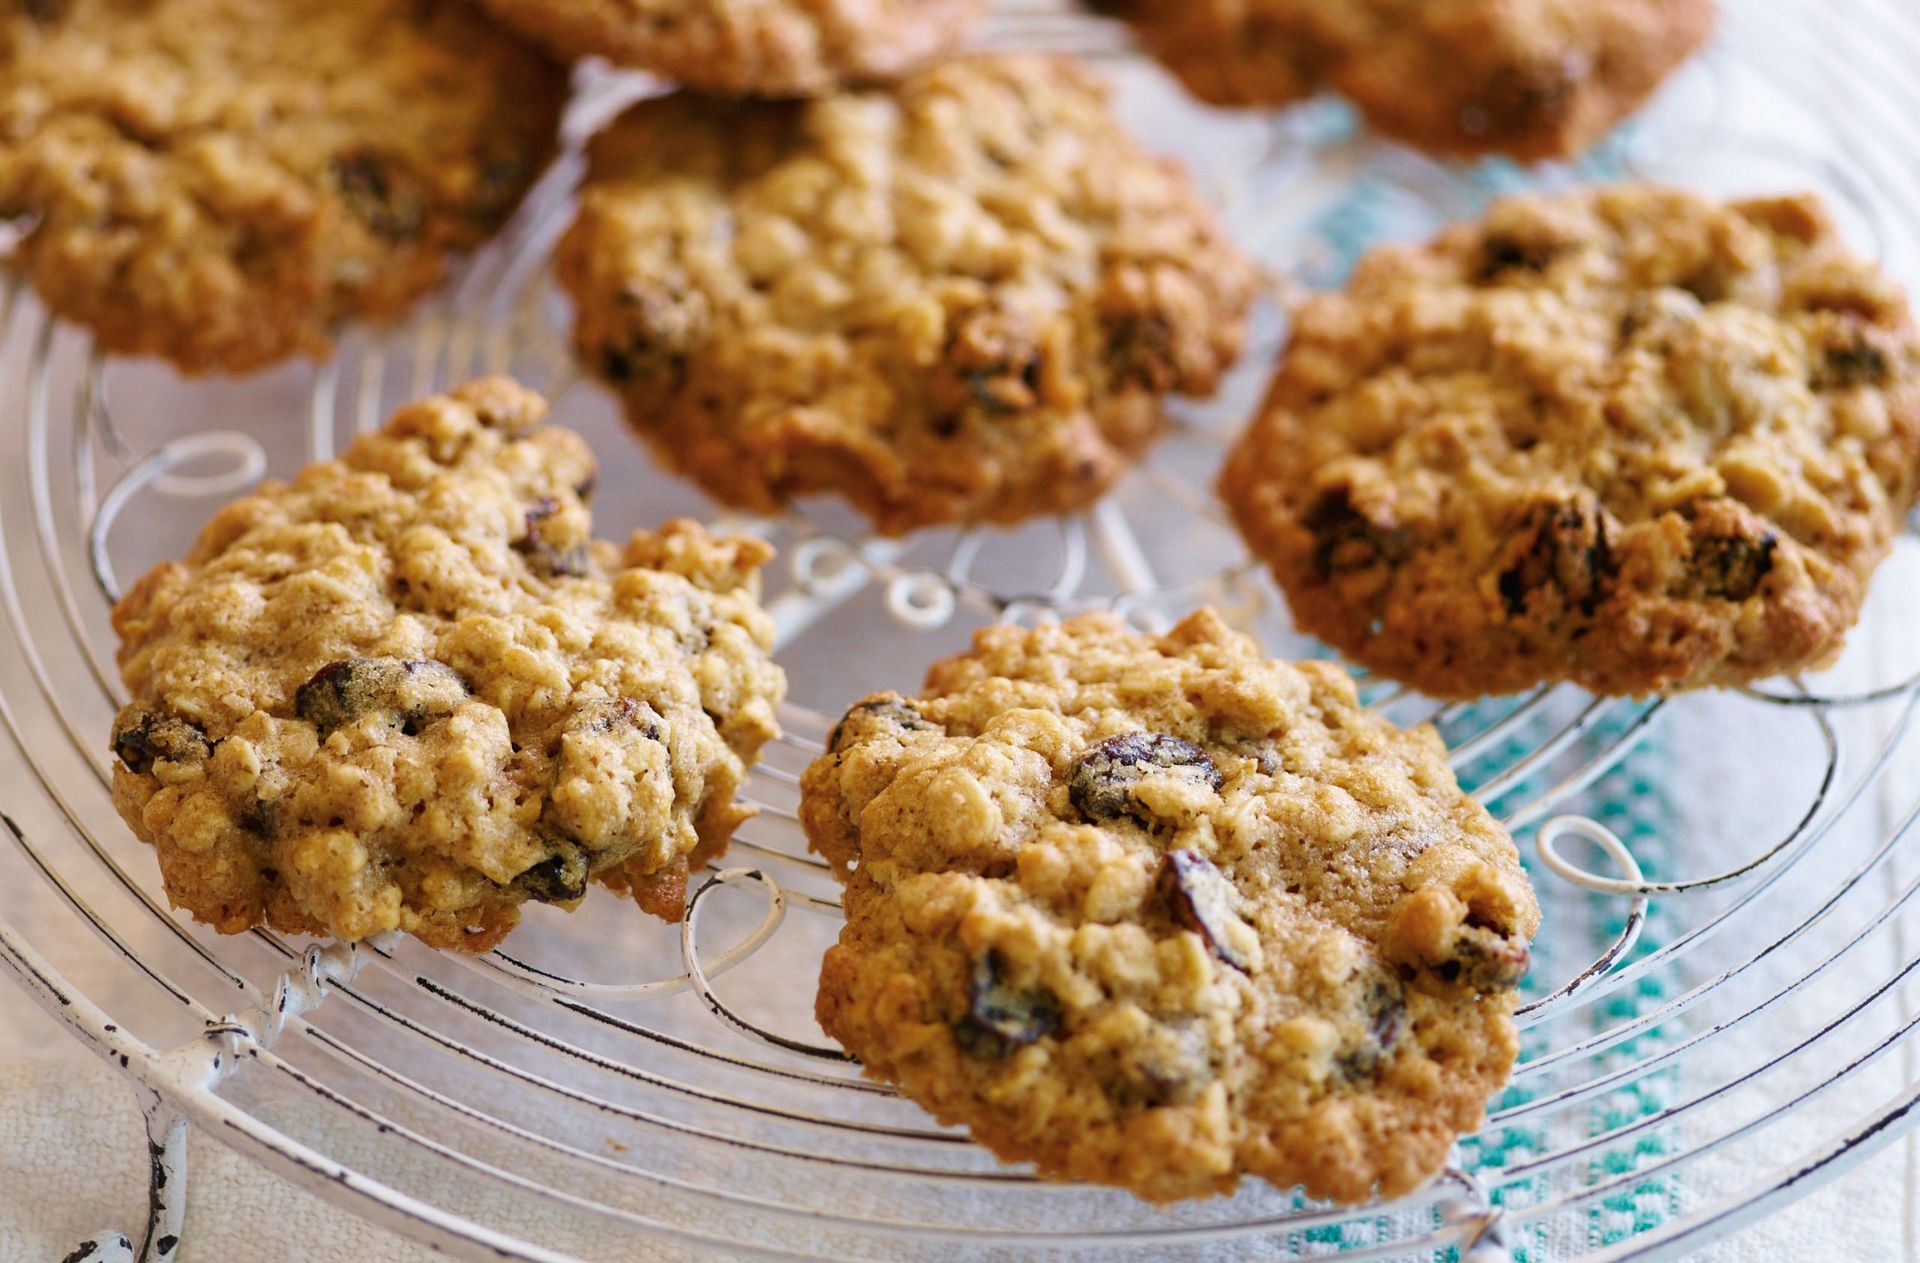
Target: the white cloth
(73, 1165)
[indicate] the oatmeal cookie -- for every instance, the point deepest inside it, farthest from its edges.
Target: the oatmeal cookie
(778, 48)
(960, 300)
(1631, 438)
(1532, 79)
(220, 182)
(408, 690)
(1234, 52)
(1161, 913)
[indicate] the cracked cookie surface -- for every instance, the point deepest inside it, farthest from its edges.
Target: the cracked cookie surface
(220, 182)
(408, 690)
(961, 299)
(1529, 78)
(1161, 913)
(1631, 438)
(754, 47)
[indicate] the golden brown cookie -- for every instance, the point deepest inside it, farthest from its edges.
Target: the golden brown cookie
(221, 182)
(408, 690)
(1632, 438)
(1160, 913)
(752, 47)
(1532, 79)
(1234, 52)
(960, 300)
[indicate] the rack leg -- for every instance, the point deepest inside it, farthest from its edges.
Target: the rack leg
(107, 1247)
(167, 1181)
(166, 1194)
(1486, 1242)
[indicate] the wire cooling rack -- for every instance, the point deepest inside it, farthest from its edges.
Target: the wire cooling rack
(1719, 1013)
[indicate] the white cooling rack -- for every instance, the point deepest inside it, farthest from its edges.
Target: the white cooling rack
(1721, 1008)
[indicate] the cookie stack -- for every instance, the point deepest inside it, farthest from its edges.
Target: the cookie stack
(1152, 911)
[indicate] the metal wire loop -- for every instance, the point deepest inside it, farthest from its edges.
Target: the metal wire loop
(690, 957)
(1536, 1011)
(1567, 870)
(155, 470)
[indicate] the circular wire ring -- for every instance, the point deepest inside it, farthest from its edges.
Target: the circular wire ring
(1567, 870)
(1537, 1011)
(250, 462)
(697, 976)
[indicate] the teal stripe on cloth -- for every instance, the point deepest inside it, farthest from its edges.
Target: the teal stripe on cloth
(1632, 800)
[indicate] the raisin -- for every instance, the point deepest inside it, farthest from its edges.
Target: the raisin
(996, 362)
(618, 365)
(1169, 1067)
(1523, 98)
(261, 816)
(545, 555)
(1346, 540)
(1001, 1017)
(503, 178)
(659, 328)
(890, 712)
(45, 11)
(1383, 1013)
(146, 738)
(1502, 252)
(1564, 547)
(1141, 352)
(409, 693)
(1101, 781)
(561, 878)
(1202, 900)
(1733, 566)
(1851, 363)
(380, 193)
(1485, 958)
(607, 714)
(1386, 1009)
(1491, 964)
(1006, 387)
(639, 361)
